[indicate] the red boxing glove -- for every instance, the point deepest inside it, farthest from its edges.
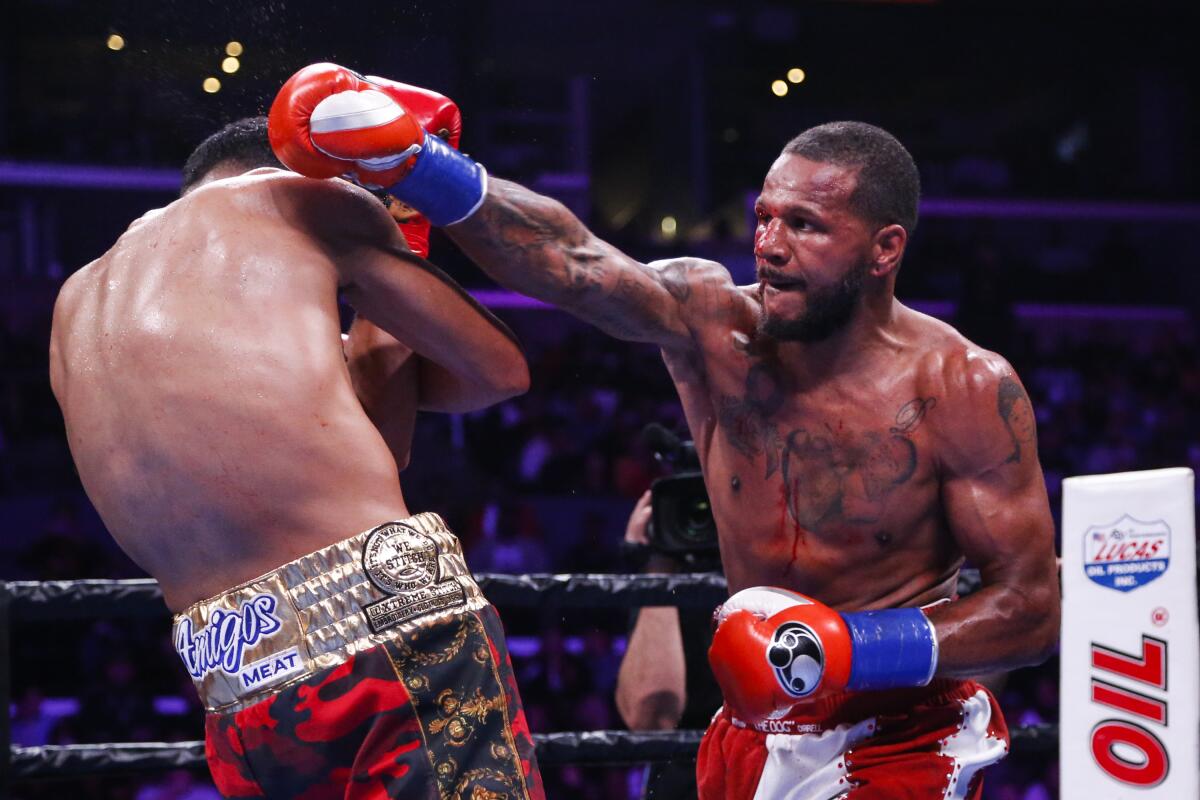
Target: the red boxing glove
(773, 648)
(328, 120)
(325, 116)
(438, 115)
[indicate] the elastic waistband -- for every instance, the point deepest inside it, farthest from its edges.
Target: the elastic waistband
(317, 611)
(850, 707)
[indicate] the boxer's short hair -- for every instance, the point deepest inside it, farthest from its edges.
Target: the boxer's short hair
(888, 188)
(242, 142)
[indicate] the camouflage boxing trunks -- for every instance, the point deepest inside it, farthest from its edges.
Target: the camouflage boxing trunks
(372, 668)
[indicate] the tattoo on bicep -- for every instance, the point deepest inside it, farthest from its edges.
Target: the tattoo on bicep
(1016, 412)
(674, 277)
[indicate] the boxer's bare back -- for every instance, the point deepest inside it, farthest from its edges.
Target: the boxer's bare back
(860, 469)
(202, 377)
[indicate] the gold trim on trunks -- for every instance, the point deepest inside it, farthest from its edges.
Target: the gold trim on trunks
(318, 610)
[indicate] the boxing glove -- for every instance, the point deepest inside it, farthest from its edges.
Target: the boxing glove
(438, 115)
(773, 649)
(328, 120)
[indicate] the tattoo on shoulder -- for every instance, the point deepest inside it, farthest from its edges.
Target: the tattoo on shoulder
(1012, 403)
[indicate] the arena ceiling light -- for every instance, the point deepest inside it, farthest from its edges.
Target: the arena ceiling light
(230, 65)
(779, 88)
(115, 41)
(233, 48)
(796, 75)
(211, 85)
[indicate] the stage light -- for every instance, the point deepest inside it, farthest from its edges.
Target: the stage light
(669, 226)
(116, 41)
(779, 88)
(230, 65)
(233, 49)
(796, 75)
(212, 85)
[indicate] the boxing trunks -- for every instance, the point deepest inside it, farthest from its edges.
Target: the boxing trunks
(928, 742)
(372, 668)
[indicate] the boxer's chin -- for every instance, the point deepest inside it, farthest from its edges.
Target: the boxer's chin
(825, 313)
(810, 326)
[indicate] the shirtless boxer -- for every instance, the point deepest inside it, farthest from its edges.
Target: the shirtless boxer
(215, 425)
(855, 450)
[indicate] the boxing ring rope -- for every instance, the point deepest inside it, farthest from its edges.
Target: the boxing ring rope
(142, 599)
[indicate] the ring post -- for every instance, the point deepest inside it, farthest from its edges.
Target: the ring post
(1130, 689)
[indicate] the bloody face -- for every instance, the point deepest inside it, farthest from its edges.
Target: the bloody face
(811, 250)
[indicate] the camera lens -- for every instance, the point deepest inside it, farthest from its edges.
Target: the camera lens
(698, 519)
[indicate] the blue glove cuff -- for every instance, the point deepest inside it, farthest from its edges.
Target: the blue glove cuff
(444, 185)
(892, 649)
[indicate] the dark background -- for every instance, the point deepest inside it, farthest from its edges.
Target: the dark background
(1056, 148)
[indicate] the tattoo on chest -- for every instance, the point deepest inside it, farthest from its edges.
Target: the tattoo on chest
(912, 413)
(829, 475)
(1017, 414)
(747, 420)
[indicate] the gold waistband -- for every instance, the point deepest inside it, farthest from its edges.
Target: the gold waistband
(317, 611)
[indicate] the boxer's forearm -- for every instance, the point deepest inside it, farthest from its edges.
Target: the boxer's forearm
(996, 628)
(534, 245)
(474, 358)
(651, 684)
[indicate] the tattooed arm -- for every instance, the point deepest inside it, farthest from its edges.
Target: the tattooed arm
(534, 245)
(994, 499)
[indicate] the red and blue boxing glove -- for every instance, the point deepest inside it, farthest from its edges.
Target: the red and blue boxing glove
(329, 121)
(774, 648)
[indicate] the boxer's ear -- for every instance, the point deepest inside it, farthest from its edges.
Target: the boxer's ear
(887, 248)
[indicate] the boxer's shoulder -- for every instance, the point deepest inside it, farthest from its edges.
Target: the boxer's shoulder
(704, 290)
(321, 208)
(970, 417)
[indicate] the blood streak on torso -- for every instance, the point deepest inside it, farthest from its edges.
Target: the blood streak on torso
(838, 491)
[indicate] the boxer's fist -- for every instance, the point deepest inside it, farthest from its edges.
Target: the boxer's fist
(328, 120)
(434, 112)
(326, 116)
(438, 115)
(773, 648)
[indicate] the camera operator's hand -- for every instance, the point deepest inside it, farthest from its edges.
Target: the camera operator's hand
(637, 540)
(636, 530)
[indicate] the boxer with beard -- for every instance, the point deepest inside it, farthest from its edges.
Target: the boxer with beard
(856, 452)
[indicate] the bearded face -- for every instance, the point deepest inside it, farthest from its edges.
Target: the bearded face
(826, 310)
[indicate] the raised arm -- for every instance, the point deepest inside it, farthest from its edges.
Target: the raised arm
(536, 246)
(328, 120)
(994, 498)
(473, 360)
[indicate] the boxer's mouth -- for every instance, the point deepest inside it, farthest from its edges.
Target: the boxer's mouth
(782, 283)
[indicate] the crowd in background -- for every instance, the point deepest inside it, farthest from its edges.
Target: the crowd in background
(541, 483)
